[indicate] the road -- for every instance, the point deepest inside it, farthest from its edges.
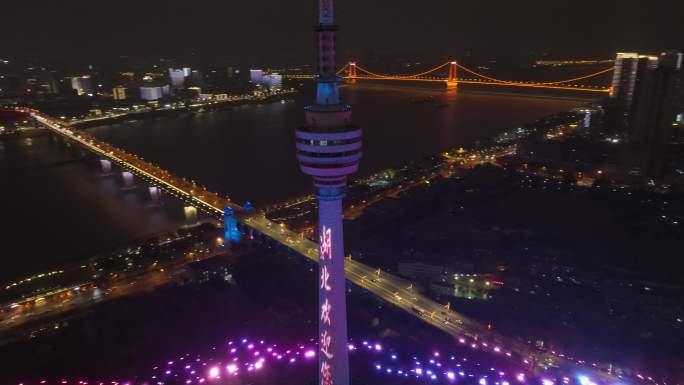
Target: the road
(87, 293)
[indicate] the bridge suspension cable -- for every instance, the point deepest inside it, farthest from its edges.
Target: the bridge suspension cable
(402, 76)
(559, 84)
(601, 72)
(540, 83)
(580, 78)
(342, 69)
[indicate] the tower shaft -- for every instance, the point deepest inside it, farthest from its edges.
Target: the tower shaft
(332, 323)
(329, 149)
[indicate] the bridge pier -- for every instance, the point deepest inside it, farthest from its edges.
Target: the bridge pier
(232, 233)
(190, 214)
(127, 178)
(105, 166)
(53, 138)
(155, 193)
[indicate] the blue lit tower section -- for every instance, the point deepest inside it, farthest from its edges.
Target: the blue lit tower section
(329, 149)
(232, 233)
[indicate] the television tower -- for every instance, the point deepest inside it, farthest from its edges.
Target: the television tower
(329, 149)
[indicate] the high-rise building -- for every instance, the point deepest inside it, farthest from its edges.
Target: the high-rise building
(329, 149)
(196, 78)
(127, 77)
(256, 76)
(272, 81)
(177, 78)
(265, 81)
(49, 85)
(153, 92)
(76, 85)
(82, 84)
(627, 75)
(654, 112)
(119, 93)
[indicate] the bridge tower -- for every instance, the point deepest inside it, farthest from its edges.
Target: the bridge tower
(452, 81)
(329, 149)
(231, 231)
(352, 72)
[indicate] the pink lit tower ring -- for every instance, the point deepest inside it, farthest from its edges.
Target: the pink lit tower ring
(329, 149)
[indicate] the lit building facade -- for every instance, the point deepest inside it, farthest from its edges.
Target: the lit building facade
(153, 92)
(256, 76)
(627, 74)
(119, 93)
(177, 78)
(128, 77)
(273, 81)
(82, 84)
(329, 149)
(654, 114)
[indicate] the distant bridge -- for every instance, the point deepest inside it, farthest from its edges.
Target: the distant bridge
(353, 72)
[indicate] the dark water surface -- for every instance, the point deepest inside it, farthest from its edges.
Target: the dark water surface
(59, 208)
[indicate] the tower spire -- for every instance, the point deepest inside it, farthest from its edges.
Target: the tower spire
(325, 12)
(327, 90)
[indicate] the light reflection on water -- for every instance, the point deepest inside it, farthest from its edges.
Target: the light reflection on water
(63, 208)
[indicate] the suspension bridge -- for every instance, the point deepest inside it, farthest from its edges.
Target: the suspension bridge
(448, 73)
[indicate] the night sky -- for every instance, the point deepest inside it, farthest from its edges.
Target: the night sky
(266, 30)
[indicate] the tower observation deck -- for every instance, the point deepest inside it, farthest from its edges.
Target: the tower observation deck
(329, 149)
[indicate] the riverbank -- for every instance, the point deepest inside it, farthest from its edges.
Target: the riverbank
(23, 134)
(215, 105)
